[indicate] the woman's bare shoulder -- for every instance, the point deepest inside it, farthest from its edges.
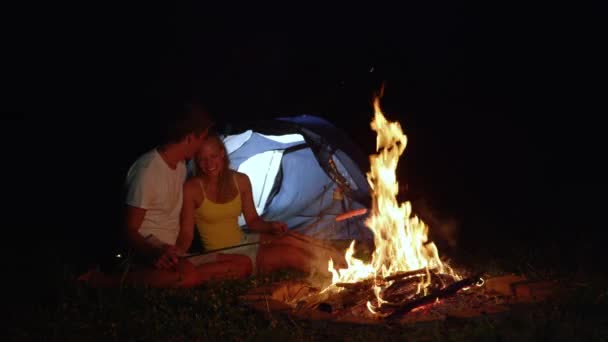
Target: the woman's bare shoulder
(241, 175)
(242, 178)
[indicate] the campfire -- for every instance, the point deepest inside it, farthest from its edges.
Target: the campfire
(405, 275)
(405, 270)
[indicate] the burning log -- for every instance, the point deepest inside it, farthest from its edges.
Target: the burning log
(443, 279)
(400, 290)
(358, 286)
(404, 285)
(404, 308)
(408, 287)
(413, 273)
(368, 283)
(398, 295)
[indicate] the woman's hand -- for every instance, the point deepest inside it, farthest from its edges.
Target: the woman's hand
(277, 227)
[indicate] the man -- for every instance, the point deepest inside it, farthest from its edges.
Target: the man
(154, 189)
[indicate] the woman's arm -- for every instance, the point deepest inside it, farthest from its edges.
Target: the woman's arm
(186, 230)
(253, 220)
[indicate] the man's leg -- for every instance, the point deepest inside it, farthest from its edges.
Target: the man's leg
(143, 276)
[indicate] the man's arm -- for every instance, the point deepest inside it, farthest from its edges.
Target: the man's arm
(135, 217)
(163, 257)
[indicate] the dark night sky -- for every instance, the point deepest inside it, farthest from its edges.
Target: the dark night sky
(497, 102)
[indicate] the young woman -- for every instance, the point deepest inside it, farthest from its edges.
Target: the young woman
(217, 196)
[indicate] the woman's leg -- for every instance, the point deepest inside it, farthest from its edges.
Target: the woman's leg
(226, 266)
(316, 247)
(272, 257)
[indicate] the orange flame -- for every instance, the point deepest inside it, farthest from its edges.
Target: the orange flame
(400, 237)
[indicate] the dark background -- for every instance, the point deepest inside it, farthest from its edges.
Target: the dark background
(501, 106)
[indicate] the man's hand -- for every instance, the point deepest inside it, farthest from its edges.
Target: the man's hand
(168, 258)
(278, 227)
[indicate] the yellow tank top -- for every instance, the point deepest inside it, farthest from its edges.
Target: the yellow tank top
(217, 223)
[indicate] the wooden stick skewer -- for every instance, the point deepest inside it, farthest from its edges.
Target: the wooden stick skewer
(287, 233)
(190, 255)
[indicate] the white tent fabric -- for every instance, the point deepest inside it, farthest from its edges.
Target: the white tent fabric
(262, 170)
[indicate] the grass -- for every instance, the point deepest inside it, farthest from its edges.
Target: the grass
(67, 311)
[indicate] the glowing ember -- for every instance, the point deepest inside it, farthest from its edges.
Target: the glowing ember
(400, 237)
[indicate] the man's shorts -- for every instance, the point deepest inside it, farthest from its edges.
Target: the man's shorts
(251, 251)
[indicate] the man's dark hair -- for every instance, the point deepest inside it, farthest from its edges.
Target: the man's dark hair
(191, 117)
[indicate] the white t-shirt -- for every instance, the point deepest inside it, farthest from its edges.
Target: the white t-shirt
(154, 186)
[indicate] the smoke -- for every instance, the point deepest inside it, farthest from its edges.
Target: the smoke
(443, 228)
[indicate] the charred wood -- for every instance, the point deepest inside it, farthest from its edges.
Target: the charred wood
(403, 308)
